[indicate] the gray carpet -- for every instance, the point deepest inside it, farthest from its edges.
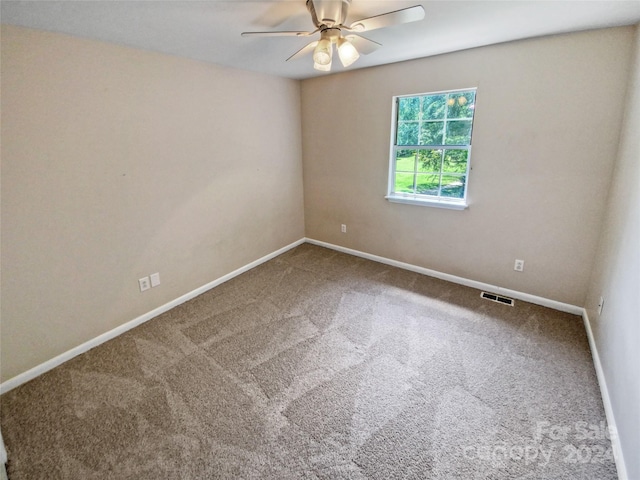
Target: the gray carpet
(322, 365)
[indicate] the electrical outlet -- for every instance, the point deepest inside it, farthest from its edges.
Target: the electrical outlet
(519, 266)
(343, 228)
(155, 279)
(144, 284)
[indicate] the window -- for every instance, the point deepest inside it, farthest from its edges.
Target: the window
(431, 148)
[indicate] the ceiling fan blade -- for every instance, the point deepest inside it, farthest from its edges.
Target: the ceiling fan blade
(363, 45)
(406, 15)
(276, 34)
(277, 13)
(303, 51)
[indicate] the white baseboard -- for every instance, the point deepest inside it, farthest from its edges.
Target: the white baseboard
(3, 454)
(69, 354)
(525, 297)
(606, 401)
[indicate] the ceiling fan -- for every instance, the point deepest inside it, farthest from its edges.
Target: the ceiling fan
(329, 18)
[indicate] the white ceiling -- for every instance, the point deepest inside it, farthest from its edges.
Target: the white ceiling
(210, 30)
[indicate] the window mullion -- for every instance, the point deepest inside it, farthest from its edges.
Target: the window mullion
(440, 176)
(415, 171)
(444, 125)
(420, 120)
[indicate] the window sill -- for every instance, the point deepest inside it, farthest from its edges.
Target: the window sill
(451, 205)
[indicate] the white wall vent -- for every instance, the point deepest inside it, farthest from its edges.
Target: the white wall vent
(497, 298)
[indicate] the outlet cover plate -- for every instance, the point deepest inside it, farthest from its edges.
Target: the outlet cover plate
(144, 284)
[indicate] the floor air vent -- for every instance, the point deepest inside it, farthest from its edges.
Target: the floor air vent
(497, 298)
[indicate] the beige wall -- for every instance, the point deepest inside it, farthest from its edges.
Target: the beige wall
(547, 123)
(617, 279)
(118, 163)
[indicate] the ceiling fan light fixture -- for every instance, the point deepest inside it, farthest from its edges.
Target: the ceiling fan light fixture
(322, 68)
(347, 52)
(323, 52)
(329, 17)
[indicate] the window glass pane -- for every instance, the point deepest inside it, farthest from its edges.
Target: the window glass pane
(404, 183)
(458, 132)
(453, 186)
(461, 104)
(431, 150)
(455, 161)
(427, 184)
(405, 160)
(407, 133)
(429, 161)
(409, 108)
(433, 107)
(431, 133)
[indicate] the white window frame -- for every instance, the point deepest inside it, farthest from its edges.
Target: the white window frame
(422, 199)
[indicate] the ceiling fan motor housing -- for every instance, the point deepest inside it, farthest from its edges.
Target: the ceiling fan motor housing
(331, 34)
(328, 13)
